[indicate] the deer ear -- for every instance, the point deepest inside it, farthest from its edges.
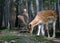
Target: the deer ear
(29, 25)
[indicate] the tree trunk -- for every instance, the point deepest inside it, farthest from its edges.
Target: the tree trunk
(1, 11)
(59, 12)
(29, 10)
(7, 13)
(37, 5)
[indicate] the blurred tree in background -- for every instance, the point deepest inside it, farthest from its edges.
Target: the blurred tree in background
(10, 9)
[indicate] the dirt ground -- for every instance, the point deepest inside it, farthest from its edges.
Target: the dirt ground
(57, 40)
(27, 38)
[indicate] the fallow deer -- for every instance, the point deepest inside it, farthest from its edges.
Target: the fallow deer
(22, 17)
(44, 17)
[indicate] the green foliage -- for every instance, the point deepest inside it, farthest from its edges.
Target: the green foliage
(1, 1)
(39, 38)
(5, 30)
(27, 39)
(51, 2)
(44, 2)
(54, 1)
(13, 37)
(8, 37)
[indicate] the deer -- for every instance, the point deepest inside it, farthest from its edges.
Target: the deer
(22, 17)
(44, 17)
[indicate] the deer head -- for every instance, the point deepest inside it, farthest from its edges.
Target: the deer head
(29, 27)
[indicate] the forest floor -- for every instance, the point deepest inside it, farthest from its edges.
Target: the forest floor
(7, 35)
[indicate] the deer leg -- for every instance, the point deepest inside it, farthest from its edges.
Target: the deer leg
(42, 30)
(54, 29)
(39, 27)
(47, 30)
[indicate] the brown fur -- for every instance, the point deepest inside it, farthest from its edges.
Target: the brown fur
(44, 16)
